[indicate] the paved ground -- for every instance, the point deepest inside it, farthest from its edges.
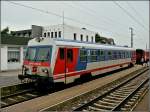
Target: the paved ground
(9, 78)
(144, 105)
(37, 104)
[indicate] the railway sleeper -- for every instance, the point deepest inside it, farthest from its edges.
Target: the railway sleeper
(96, 109)
(109, 100)
(103, 106)
(120, 91)
(122, 94)
(123, 109)
(119, 96)
(125, 90)
(107, 103)
(1, 102)
(114, 98)
(21, 97)
(127, 105)
(33, 95)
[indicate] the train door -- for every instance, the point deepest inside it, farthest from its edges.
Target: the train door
(71, 62)
(66, 62)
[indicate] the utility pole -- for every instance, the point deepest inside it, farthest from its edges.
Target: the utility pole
(63, 24)
(131, 36)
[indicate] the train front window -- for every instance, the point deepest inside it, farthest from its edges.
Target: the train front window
(43, 54)
(31, 53)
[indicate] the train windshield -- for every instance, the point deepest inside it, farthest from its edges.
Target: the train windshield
(31, 53)
(43, 54)
(39, 53)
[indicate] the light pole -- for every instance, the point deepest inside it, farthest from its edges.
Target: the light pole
(131, 36)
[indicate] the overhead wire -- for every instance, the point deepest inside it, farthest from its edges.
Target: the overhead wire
(52, 13)
(88, 11)
(137, 13)
(130, 15)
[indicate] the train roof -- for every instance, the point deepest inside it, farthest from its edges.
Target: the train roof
(79, 44)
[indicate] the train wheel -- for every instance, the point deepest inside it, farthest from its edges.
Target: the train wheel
(85, 77)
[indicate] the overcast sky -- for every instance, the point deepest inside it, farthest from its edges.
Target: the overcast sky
(99, 16)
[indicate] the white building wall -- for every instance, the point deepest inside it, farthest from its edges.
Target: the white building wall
(5, 65)
(16, 65)
(3, 58)
(21, 55)
(69, 32)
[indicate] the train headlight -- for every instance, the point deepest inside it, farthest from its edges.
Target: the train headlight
(45, 71)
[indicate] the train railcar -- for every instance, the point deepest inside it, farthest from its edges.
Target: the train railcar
(64, 61)
(142, 53)
(146, 55)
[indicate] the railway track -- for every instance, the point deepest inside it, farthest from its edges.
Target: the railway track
(21, 96)
(120, 95)
(17, 93)
(120, 98)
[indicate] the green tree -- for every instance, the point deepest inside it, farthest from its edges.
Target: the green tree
(97, 38)
(5, 31)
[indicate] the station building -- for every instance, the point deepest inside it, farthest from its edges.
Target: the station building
(68, 32)
(12, 52)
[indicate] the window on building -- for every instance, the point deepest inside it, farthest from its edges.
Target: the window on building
(92, 39)
(59, 34)
(13, 55)
(55, 34)
(62, 53)
(75, 36)
(48, 34)
(83, 55)
(44, 34)
(69, 55)
(51, 34)
(87, 38)
(81, 36)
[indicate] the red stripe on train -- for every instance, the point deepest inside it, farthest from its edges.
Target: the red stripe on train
(26, 62)
(88, 71)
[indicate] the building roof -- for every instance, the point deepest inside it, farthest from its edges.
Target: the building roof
(21, 31)
(11, 40)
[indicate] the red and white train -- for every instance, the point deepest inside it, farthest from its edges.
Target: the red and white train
(49, 60)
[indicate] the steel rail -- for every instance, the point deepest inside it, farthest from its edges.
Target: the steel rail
(80, 108)
(124, 101)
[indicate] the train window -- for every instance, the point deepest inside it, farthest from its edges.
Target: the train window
(62, 53)
(102, 52)
(98, 52)
(109, 55)
(93, 55)
(114, 55)
(69, 55)
(119, 55)
(127, 54)
(83, 55)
